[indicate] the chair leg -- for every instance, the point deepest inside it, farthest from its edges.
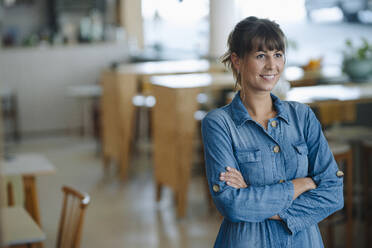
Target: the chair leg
(349, 201)
(367, 218)
(158, 192)
(329, 233)
(10, 194)
(181, 197)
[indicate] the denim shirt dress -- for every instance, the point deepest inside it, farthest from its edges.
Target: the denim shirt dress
(293, 146)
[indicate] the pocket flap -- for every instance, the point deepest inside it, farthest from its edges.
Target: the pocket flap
(301, 148)
(244, 156)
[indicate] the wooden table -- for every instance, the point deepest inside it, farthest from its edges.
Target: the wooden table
(174, 127)
(18, 228)
(29, 165)
(174, 124)
(119, 86)
(335, 103)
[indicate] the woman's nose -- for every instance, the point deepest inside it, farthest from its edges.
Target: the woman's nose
(270, 63)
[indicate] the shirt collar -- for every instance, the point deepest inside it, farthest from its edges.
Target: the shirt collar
(240, 114)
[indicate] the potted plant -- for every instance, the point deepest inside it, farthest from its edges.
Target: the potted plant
(357, 60)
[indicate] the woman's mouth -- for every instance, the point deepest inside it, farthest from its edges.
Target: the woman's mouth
(268, 77)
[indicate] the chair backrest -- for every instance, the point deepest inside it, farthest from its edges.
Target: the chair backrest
(72, 217)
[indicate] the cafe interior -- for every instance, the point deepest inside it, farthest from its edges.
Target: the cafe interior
(102, 102)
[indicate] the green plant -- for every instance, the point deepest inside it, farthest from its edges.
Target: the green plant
(362, 52)
(357, 62)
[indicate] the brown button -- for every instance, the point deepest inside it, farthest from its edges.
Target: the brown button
(281, 181)
(276, 149)
(340, 173)
(274, 123)
(216, 188)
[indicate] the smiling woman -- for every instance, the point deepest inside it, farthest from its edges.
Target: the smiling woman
(270, 171)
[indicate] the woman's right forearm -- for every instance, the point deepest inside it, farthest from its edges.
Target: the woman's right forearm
(302, 185)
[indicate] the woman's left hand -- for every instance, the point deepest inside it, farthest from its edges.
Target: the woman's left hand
(233, 178)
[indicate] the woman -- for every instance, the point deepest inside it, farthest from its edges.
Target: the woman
(270, 170)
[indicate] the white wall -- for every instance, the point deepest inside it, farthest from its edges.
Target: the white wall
(40, 76)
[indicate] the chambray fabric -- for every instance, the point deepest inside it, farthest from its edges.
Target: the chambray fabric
(232, 138)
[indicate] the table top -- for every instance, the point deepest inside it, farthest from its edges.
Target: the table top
(195, 80)
(326, 74)
(165, 67)
(19, 228)
(27, 164)
(337, 92)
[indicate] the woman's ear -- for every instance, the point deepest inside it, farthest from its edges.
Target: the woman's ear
(236, 61)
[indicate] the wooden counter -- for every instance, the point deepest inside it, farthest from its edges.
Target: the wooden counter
(119, 87)
(174, 128)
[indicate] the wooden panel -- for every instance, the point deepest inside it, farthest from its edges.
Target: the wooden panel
(126, 89)
(336, 111)
(174, 128)
(109, 118)
(117, 117)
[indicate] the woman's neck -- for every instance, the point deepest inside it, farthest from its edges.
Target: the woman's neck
(259, 106)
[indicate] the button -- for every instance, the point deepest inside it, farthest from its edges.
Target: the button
(340, 173)
(216, 188)
(274, 123)
(281, 181)
(276, 149)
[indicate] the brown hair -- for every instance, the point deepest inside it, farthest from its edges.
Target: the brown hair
(252, 34)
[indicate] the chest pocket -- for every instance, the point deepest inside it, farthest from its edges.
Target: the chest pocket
(302, 159)
(250, 165)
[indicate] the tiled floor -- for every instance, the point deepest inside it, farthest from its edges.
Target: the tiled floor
(123, 214)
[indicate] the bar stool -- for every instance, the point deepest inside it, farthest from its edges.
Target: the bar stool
(142, 131)
(343, 154)
(367, 162)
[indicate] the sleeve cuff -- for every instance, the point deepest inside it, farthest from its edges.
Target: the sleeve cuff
(288, 221)
(289, 189)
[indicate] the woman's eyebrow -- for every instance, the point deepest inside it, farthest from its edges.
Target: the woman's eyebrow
(266, 51)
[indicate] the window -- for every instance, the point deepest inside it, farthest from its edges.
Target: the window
(176, 28)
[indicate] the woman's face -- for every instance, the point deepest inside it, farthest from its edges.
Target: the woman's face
(260, 70)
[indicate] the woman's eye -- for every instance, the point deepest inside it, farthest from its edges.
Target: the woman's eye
(278, 55)
(260, 56)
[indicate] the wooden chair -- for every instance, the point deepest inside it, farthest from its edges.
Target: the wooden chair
(367, 163)
(72, 216)
(343, 155)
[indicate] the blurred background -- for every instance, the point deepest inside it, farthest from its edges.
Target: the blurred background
(59, 60)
